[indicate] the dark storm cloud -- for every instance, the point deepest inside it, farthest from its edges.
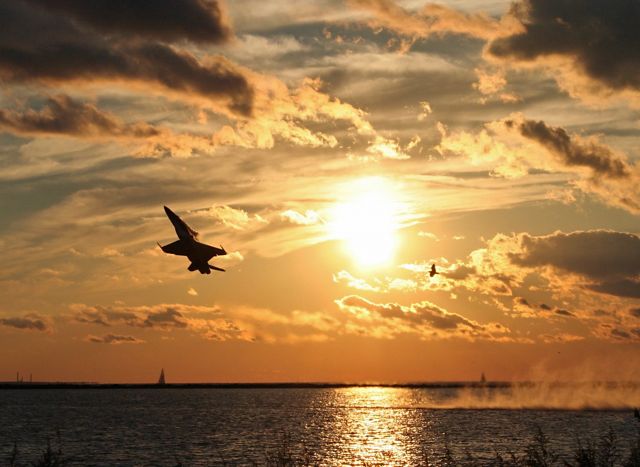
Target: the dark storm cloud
(165, 20)
(114, 339)
(570, 152)
(29, 322)
(594, 253)
(609, 261)
(51, 49)
(601, 38)
(62, 115)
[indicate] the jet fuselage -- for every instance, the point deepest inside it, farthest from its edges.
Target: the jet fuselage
(188, 245)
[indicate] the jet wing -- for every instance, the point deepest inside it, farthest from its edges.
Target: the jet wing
(206, 252)
(179, 247)
(182, 229)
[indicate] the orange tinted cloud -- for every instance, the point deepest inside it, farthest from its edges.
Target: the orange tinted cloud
(113, 339)
(514, 145)
(387, 320)
(434, 19)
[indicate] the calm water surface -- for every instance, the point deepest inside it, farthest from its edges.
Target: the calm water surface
(344, 426)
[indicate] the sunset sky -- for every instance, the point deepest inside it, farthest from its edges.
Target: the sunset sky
(336, 149)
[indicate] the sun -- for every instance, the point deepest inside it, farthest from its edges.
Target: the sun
(366, 220)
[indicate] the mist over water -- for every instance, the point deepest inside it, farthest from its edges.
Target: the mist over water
(334, 426)
(545, 395)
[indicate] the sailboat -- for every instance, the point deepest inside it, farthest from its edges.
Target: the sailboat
(483, 379)
(161, 380)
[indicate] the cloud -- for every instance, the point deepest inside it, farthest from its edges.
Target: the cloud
(560, 338)
(619, 334)
(163, 317)
(429, 235)
(516, 145)
(587, 48)
(165, 20)
(492, 83)
(310, 217)
(573, 151)
(425, 111)
(590, 47)
(378, 284)
(193, 292)
(40, 47)
(222, 329)
(237, 219)
(433, 19)
(523, 309)
(590, 278)
(604, 259)
(346, 278)
(423, 318)
(30, 322)
(596, 260)
(295, 327)
(67, 45)
(212, 323)
(482, 273)
(62, 115)
(108, 252)
(113, 339)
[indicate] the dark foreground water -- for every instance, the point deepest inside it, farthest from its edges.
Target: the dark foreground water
(327, 426)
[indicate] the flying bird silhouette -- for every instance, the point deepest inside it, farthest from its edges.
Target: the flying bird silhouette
(433, 271)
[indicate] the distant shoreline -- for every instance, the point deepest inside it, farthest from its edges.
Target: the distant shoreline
(431, 385)
(62, 385)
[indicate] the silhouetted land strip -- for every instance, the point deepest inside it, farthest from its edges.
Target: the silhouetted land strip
(63, 385)
(429, 385)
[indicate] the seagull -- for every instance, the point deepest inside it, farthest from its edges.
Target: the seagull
(433, 271)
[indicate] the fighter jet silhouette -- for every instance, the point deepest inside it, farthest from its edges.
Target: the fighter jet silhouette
(198, 253)
(433, 271)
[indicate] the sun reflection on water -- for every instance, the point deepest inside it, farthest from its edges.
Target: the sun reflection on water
(376, 427)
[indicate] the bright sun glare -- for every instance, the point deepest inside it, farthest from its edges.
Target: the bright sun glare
(367, 220)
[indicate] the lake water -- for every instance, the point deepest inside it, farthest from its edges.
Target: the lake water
(321, 426)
